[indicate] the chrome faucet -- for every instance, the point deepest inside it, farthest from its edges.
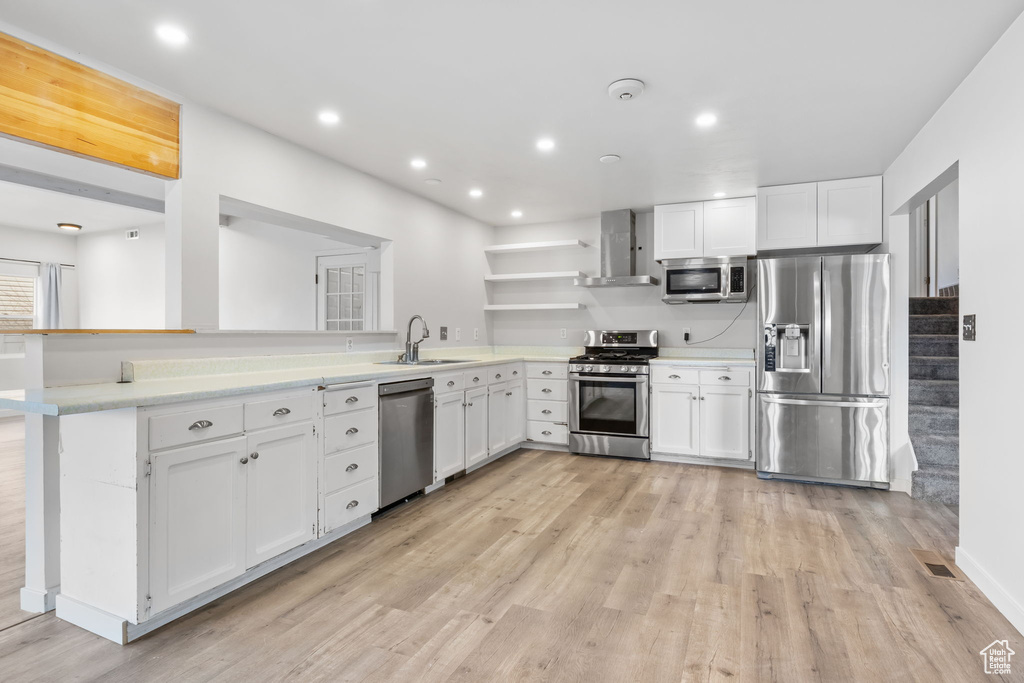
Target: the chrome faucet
(412, 350)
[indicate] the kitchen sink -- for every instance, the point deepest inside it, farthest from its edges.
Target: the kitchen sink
(422, 362)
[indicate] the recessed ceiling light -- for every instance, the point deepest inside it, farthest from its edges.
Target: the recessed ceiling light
(706, 119)
(172, 35)
(329, 118)
(69, 226)
(719, 195)
(545, 144)
(476, 192)
(433, 181)
(418, 163)
(610, 158)
(517, 214)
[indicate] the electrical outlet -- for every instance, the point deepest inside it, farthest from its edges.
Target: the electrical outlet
(686, 331)
(349, 345)
(476, 334)
(444, 334)
(458, 334)
(563, 332)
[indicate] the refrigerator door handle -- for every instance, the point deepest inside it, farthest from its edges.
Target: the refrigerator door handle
(816, 332)
(824, 404)
(826, 332)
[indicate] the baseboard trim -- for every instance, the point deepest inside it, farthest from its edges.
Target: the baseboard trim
(999, 596)
(38, 601)
(698, 460)
(901, 485)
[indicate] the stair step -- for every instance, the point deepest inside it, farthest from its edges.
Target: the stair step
(937, 484)
(934, 345)
(934, 305)
(934, 324)
(935, 392)
(934, 420)
(942, 450)
(934, 367)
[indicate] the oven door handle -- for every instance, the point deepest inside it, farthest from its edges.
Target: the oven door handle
(605, 378)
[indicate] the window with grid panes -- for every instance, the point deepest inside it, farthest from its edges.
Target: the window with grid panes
(345, 297)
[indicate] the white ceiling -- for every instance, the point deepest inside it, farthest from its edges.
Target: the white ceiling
(804, 90)
(31, 208)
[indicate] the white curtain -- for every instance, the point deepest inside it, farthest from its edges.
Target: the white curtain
(48, 297)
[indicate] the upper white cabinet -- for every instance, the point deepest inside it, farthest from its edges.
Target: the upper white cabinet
(724, 227)
(834, 213)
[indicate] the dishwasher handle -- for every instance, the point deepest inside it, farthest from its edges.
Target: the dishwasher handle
(405, 387)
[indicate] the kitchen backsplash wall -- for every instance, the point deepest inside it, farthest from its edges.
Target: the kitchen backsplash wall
(606, 308)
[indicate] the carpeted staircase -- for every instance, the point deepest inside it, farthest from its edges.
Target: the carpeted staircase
(935, 398)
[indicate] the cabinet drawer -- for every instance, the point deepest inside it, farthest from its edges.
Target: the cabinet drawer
(452, 381)
(498, 373)
(341, 507)
(349, 430)
(345, 400)
(194, 426)
(278, 411)
(547, 411)
(725, 378)
(350, 467)
(547, 370)
(476, 378)
(547, 389)
(547, 432)
(669, 374)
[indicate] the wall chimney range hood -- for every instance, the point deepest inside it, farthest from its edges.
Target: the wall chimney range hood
(618, 253)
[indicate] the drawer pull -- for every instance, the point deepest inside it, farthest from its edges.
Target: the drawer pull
(476, 379)
(352, 467)
(200, 424)
(282, 411)
(725, 378)
(561, 423)
(351, 505)
(255, 456)
(352, 399)
(546, 433)
(545, 412)
(546, 372)
(351, 430)
(244, 461)
(498, 376)
(451, 383)
(546, 391)
(673, 376)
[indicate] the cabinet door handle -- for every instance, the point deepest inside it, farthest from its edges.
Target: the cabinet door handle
(451, 383)
(508, 393)
(561, 423)
(352, 399)
(199, 424)
(244, 461)
(725, 378)
(255, 456)
(673, 376)
(351, 430)
(469, 404)
(546, 372)
(546, 433)
(545, 412)
(694, 398)
(498, 376)
(546, 391)
(352, 504)
(515, 372)
(352, 467)
(282, 411)
(702, 398)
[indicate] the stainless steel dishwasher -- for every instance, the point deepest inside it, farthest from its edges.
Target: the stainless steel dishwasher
(406, 438)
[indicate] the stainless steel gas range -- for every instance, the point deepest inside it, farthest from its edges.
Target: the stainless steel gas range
(609, 394)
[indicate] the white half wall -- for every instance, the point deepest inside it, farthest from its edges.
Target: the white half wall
(121, 281)
(979, 126)
(606, 308)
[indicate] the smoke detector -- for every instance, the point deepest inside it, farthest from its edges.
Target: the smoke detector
(626, 89)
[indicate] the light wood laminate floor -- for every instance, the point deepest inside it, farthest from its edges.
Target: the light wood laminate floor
(550, 567)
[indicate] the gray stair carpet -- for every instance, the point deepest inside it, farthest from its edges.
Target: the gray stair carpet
(935, 398)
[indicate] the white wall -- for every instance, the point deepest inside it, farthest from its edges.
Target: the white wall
(266, 276)
(948, 235)
(121, 281)
(606, 308)
(979, 126)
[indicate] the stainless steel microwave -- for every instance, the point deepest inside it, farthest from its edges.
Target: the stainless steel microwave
(726, 279)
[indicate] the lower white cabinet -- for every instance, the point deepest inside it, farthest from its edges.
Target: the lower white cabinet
(197, 535)
(497, 417)
(449, 434)
(516, 420)
(724, 422)
(476, 425)
(674, 419)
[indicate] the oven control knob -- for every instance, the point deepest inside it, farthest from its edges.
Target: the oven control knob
(605, 368)
(634, 369)
(589, 368)
(623, 369)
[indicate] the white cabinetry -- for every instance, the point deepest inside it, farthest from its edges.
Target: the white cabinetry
(350, 485)
(547, 393)
(476, 425)
(725, 227)
(449, 434)
(701, 412)
(497, 410)
(827, 214)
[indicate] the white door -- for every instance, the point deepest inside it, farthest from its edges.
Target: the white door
(787, 216)
(497, 417)
(449, 434)
(281, 500)
(346, 293)
(850, 211)
(679, 231)
(730, 227)
(197, 520)
(476, 425)
(725, 422)
(515, 425)
(674, 422)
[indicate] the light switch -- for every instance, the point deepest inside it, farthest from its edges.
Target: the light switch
(444, 334)
(970, 329)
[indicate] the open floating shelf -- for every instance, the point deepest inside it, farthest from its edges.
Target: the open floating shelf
(527, 277)
(534, 246)
(534, 307)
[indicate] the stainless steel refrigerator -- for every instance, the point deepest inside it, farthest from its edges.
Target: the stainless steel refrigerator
(823, 369)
